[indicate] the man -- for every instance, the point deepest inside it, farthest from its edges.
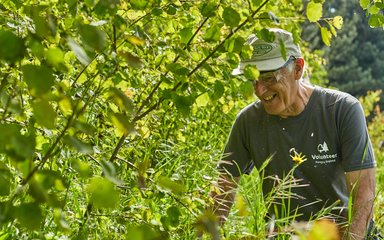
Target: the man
(320, 133)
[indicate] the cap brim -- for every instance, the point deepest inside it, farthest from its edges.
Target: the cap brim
(262, 66)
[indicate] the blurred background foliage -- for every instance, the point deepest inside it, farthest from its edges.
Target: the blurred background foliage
(113, 114)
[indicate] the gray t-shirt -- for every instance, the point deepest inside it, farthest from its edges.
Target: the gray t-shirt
(331, 132)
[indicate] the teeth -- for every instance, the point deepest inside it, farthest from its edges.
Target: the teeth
(268, 98)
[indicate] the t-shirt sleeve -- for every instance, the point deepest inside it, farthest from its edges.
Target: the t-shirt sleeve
(236, 158)
(356, 147)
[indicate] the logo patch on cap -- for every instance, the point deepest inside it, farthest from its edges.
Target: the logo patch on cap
(261, 49)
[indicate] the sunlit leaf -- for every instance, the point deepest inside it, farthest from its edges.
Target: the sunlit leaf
(39, 79)
(65, 105)
(5, 180)
(12, 47)
(202, 100)
(266, 35)
(131, 59)
(338, 22)
(80, 146)
(80, 54)
(102, 193)
(29, 215)
(121, 99)
(314, 11)
(212, 34)
(326, 36)
(8, 131)
(55, 57)
(185, 35)
(93, 37)
(143, 232)
(251, 72)
(60, 220)
(136, 40)
(104, 7)
(122, 123)
(138, 4)
(231, 17)
(376, 20)
(82, 168)
(85, 127)
(170, 185)
(246, 89)
(364, 3)
(44, 114)
(324, 230)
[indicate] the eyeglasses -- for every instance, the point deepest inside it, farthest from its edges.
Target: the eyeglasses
(272, 77)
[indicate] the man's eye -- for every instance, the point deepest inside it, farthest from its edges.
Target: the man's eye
(267, 78)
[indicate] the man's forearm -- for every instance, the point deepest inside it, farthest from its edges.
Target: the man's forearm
(362, 192)
(224, 198)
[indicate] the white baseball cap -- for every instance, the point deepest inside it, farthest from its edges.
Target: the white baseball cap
(267, 56)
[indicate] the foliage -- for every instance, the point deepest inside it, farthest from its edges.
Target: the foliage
(113, 113)
(357, 68)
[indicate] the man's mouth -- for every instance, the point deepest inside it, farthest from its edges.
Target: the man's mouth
(270, 97)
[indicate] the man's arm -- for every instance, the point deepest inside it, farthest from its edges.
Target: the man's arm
(224, 198)
(361, 187)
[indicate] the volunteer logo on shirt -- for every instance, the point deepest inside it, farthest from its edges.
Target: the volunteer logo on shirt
(324, 157)
(322, 147)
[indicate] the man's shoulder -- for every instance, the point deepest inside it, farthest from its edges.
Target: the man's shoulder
(255, 108)
(336, 97)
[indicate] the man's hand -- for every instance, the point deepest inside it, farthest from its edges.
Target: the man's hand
(361, 187)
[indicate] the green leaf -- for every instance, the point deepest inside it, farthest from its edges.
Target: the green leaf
(314, 11)
(42, 26)
(251, 72)
(79, 52)
(177, 69)
(173, 214)
(82, 168)
(266, 35)
(183, 103)
(218, 91)
(283, 50)
(55, 57)
(102, 193)
(122, 123)
(121, 100)
(202, 100)
(5, 181)
(29, 215)
(104, 7)
(170, 185)
(131, 59)
(326, 36)
(23, 146)
(138, 4)
(212, 34)
(60, 219)
(185, 35)
(143, 232)
(376, 20)
(235, 45)
(85, 127)
(231, 17)
(364, 3)
(92, 37)
(12, 47)
(39, 79)
(80, 146)
(44, 114)
(8, 132)
(247, 90)
(208, 8)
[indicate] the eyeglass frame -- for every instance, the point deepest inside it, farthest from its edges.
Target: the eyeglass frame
(274, 73)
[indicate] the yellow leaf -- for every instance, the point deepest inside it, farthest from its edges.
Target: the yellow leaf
(135, 40)
(338, 22)
(324, 230)
(326, 36)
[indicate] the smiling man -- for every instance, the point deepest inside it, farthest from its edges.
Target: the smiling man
(318, 132)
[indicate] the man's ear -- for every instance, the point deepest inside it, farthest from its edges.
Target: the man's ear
(299, 68)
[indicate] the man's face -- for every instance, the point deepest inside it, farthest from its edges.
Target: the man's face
(277, 91)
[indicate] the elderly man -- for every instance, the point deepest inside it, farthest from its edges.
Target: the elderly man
(319, 133)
